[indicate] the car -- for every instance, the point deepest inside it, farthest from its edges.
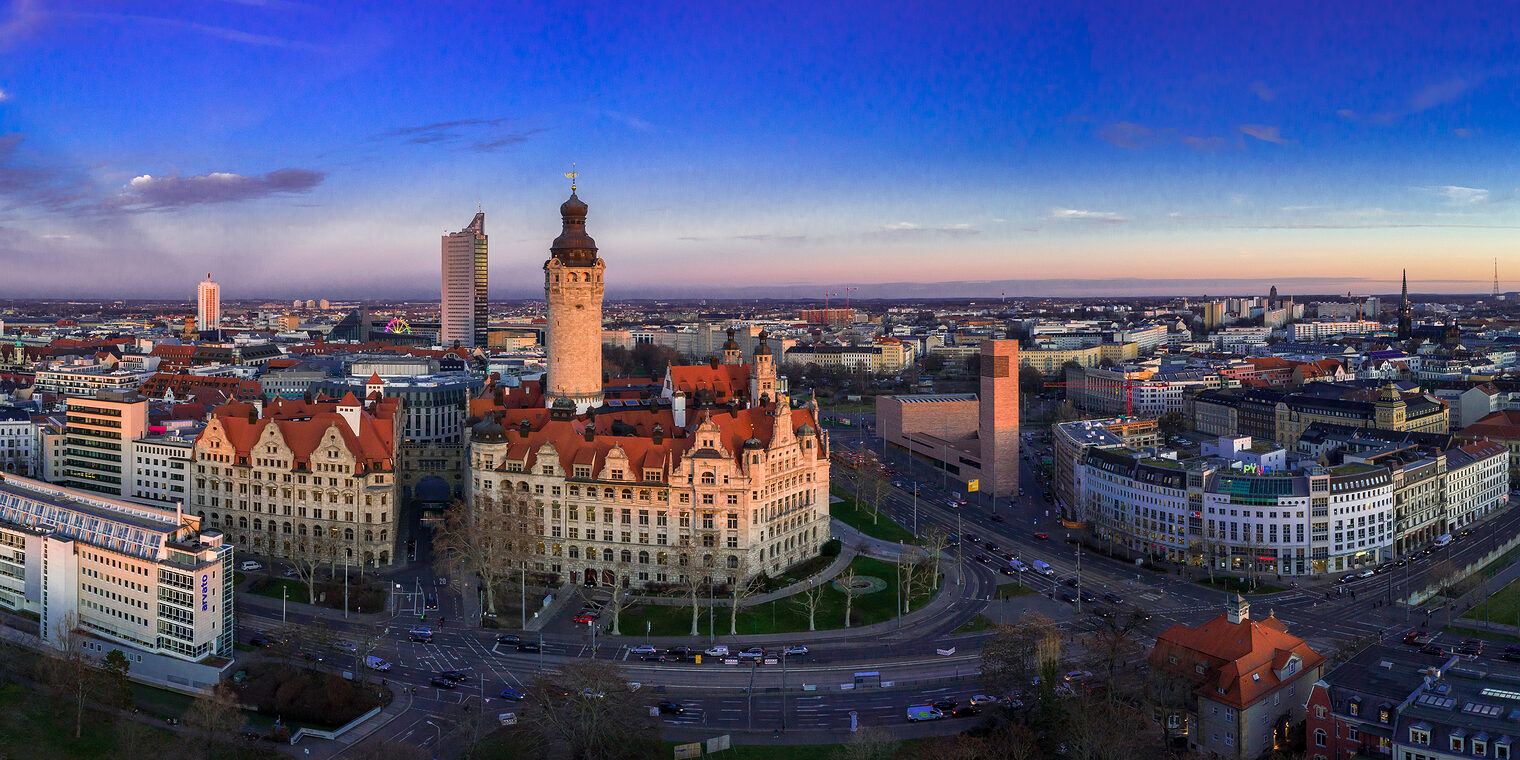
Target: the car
(1473, 641)
(1072, 581)
(1088, 597)
(1068, 597)
(1042, 536)
(965, 711)
(657, 657)
(679, 651)
(952, 503)
(311, 656)
(749, 657)
(984, 559)
(944, 705)
(590, 693)
(1077, 675)
(982, 699)
(1006, 570)
(989, 546)
(755, 650)
(1417, 639)
(249, 565)
(424, 635)
(511, 693)
(345, 645)
(1511, 656)
(1347, 578)
(1468, 650)
(508, 638)
(528, 646)
(1114, 598)
(1018, 566)
(1400, 562)
(716, 651)
(260, 640)
(642, 649)
(432, 602)
(668, 707)
(1102, 612)
(1435, 649)
(996, 518)
(973, 538)
(797, 650)
(441, 682)
(457, 676)
(584, 619)
(290, 573)
(1366, 574)
(376, 663)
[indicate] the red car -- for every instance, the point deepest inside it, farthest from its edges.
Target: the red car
(1042, 536)
(583, 618)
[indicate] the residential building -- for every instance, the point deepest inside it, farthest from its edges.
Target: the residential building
(83, 381)
(1072, 440)
(302, 479)
(18, 443)
(464, 308)
(1053, 361)
(1251, 681)
(98, 439)
(1322, 330)
(161, 464)
(150, 582)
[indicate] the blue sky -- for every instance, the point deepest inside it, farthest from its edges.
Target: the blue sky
(319, 149)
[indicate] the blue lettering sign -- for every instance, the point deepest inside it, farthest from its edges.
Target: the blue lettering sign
(205, 591)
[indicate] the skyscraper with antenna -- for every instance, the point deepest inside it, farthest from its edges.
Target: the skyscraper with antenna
(1496, 278)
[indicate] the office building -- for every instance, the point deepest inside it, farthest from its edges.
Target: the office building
(97, 453)
(208, 304)
(463, 314)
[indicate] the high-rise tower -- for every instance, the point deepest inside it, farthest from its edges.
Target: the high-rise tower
(463, 316)
(1406, 319)
(573, 290)
(208, 304)
(998, 416)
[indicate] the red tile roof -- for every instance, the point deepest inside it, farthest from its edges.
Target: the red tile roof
(726, 381)
(1241, 659)
(183, 386)
(303, 424)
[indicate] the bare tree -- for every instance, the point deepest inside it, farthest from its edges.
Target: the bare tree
(877, 486)
(809, 599)
(1114, 641)
(365, 642)
(936, 542)
(490, 539)
(1097, 730)
(587, 710)
(1016, 653)
(912, 567)
(846, 583)
(70, 668)
(738, 591)
(309, 558)
(869, 743)
(213, 715)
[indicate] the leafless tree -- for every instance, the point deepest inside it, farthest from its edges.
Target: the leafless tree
(738, 591)
(876, 488)
(869, 743)
(846, 583)
(1113, 642)
(213, 715)
(912, 567)
(491, 539)
(587, 710)
(387, 750)
(809, 599)
(70, 669)
(308, 559)
(1097, 730)
(936, 542)
(1016, 653)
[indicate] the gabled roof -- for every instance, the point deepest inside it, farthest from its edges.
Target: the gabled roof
(724, 381)
(1242, 659)
(303, 425)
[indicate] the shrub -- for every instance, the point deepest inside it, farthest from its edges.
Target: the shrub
(831, 548)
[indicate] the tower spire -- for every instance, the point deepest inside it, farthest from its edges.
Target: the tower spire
(572, 174)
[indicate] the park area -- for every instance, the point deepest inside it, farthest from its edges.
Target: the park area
(1502, 607)
(875, 601)
(860, 517)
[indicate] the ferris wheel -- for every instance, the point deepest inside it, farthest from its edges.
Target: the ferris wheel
(398, 326)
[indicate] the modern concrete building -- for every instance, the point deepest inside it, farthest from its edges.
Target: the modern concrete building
(97, 452)
(970, 437)
(464, 308)
(208, 304)
(161, 465)
(150, 582)
(18, 443)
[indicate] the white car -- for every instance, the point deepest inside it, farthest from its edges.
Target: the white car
(981, 699)
(642, 649)
(796, 650)
(717, 651)
(249, 564)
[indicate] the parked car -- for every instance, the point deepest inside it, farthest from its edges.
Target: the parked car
(583, 619)
(982, 699)
(260, 640)
(944, 705)
(642, 649)
(716, 651)
(249, 564)
(1042, 536)
(1114, 598)
(345, 645)
(679, 651)
(965, 711)
(511, 693)
(657, 657)
(375, 663)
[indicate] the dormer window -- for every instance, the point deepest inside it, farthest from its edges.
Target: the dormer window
(1419, 734)
(1458, 741)
(1384, 714)
(1354, 707)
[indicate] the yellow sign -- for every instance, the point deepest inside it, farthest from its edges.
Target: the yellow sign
(688, 750)
(972, 485)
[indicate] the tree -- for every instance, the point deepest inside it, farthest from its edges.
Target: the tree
(489, 539)
(307, 560)
(809, 599)
(869, 743)
(691, 582)
(70, 668)
(587, 710)
(877, 488)
(213, 715)
(1031, 382)
(1066, 411)
(912, 567)
(846, 583)
(933, 363)
(738, 591)
(1016, 653)
(1114, 641)
(1099, 730)
(936, 542)
(113, 668)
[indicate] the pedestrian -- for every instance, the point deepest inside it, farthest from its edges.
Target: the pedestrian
(1353, 596)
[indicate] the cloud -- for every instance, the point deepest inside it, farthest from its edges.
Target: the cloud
(772, 238)
(1457, 195)
(483, 136)
(24, 18)
(1263, 132)
(1441, 93)
(1129, 135)
(1263, 91)
(1346, 113)
(1463, 132)
(1083, 215)
(219, 32)
(899, 230)
(4, 96)
(149, 193)
(30, 185)
(1205, 143)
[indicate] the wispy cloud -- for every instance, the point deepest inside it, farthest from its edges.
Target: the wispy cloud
(1262, 91)
(912, 229)
(1084, 215)
(1132, 136)
(1263, 132)
(25, 183)
(4, 96)
(1457, 195)
(219, 32)
(20, 21)
(768, 238)
(474, 134)
(146, 192)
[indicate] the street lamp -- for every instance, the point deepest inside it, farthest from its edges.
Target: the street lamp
(440, 731)
(284, 596)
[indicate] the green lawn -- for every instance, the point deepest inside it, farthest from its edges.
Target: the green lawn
(272, 589)
(1498, 565)
(859, 518)
(978, 623)
(1241, 585)
(781, 616)
(1474, 632)
(1503, 606)
(1011, 590)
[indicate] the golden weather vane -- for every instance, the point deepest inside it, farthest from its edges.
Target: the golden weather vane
(572, 174)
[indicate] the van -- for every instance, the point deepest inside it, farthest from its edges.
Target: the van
(1017, 565)
(1042, 567)
(717, 651)
(375, 663)
(1443, 539)
(923, 712)
(249, 564)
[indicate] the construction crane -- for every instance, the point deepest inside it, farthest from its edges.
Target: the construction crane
(848, 289)
(1127, 387)
(826, 301)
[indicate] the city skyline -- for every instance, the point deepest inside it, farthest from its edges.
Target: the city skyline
(754, 154)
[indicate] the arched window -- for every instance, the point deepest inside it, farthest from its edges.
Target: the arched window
(285, 528)
(707, 560)
(708, 479)
(369, 535)
(643, 558)
(606, 555)
(733, 561)
(627, 556)
(628, 494)
(575, 552)
(348, 534)
(383, 533)
(1319, 737)
(242, 522)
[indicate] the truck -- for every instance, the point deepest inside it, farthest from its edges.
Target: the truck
(1042, 567)
(923, 712)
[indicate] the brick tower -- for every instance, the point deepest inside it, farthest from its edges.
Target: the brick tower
(573, 289)
(998, 417)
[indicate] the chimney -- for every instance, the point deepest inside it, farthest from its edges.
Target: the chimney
(658, 434)
(713, 360)
(253, 414)
(733, 408)
(590, 432)
(523, 428)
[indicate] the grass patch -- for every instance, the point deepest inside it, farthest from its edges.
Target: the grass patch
(361, 596)
(1239, 585)
(1011, 590)
(978, 623)
(1475, 633)
(780, 616)
(858, 516)
(1503, 606)
(1503, 561)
